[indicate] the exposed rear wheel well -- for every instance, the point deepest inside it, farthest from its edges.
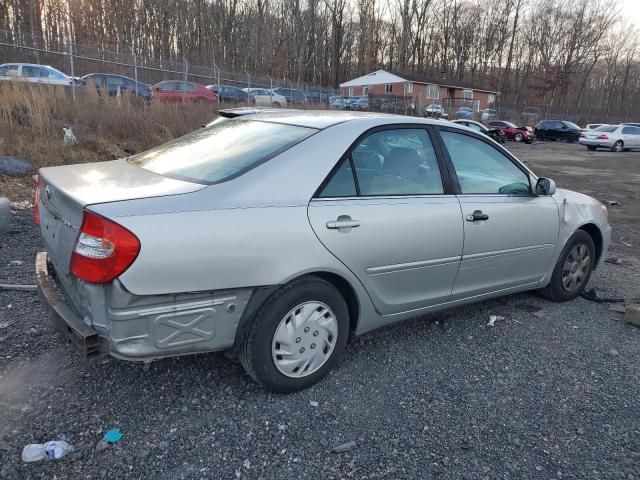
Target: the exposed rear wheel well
(596, 235)
(347, 291)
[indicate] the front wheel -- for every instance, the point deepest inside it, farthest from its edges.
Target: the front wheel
(296, 336)
(518, 137)
(573, 268)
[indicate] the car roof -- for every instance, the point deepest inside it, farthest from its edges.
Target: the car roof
(322, 119)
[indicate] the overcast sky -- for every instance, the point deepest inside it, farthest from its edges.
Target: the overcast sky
(631, 10)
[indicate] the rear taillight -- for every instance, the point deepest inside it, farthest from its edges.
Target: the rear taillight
(104, 249)
(603, 137)
(36, 201)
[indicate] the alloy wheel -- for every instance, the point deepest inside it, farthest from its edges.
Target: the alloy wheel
(304, 339)
(576, 268)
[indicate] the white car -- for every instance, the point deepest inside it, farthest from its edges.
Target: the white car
(29, 72)
(435, 110)
(616, 138)
(265, 97)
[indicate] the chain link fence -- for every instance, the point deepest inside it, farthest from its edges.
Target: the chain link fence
(77, 60)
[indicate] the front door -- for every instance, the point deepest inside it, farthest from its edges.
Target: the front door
(510, 234)
(386, 214)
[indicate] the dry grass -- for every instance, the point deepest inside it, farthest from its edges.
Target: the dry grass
(32, 118)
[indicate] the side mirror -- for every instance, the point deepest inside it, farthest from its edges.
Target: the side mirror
(545, 186)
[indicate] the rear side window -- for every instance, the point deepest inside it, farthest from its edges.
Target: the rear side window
(607, 129)
(221, 151)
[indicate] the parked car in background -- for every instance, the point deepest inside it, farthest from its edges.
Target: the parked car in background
(489, 114)
(631, 123)
(435, 110)
(511, 131)
(558, 130)
(229, 93)
(494, 133)
(293, 96)
(179, 91)
(465, 112)
(264, 97)
(165, 253)
(111, 85)
(361, 104)
(616, 138)
(593, 126)
(530, 114)
(32, 73)
(338, 103)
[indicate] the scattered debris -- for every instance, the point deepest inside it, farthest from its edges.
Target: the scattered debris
(539, 313)
(54, 450)
(345, 447)
(611, 202)
(493, 318)
(16, 166)
(632, 315)
(313, 403)
(246, 464)
(101, 445)
(614, 261)
(16, 262)
(4, 325)
(613, 352)
(112, 435)
(69, 137)
(24, 288)
(23, 205)
(602, 296)
(626, 244)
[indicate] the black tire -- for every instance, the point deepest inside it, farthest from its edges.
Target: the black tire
(540, 137)
(255, 349)
(556, 290)
(618, 146)
(518, 137)
(591, 148)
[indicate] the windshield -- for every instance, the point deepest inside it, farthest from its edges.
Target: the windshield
(572, 125)
(221, 151)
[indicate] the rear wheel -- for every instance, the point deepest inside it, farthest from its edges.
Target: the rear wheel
(296, 336)
(573, 268)
(591, 147)
(618, 146)
(276, 104)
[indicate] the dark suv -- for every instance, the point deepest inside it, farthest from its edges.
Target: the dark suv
(229, 93)
(558, 130)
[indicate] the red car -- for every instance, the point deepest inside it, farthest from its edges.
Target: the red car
(512, 131)
(178, 91)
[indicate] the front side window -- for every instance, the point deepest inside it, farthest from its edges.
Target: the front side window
(571, 125)
(55, 74)
(482, 169)
(390, 162)
(221, 151)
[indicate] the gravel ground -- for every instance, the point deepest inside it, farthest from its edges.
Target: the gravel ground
(550, 392)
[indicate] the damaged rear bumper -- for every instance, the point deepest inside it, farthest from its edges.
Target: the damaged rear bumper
(84, 338)
(132, 327)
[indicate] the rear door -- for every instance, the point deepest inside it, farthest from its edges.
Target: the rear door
(389, 214)
(630, 137)
(510, 234)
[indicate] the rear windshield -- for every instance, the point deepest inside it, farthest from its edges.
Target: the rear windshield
(607, 128)
(221, 151)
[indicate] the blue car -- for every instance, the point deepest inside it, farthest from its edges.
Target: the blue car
(111, 84)
(464, 112)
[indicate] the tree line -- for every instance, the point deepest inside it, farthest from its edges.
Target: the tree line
(559, 52)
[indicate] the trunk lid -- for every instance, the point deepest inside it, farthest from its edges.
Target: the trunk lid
(65, 191)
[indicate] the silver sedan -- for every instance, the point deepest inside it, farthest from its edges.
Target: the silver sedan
(279, 235)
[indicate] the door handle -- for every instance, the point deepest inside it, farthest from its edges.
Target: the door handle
(343, 221)
(477, 215)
